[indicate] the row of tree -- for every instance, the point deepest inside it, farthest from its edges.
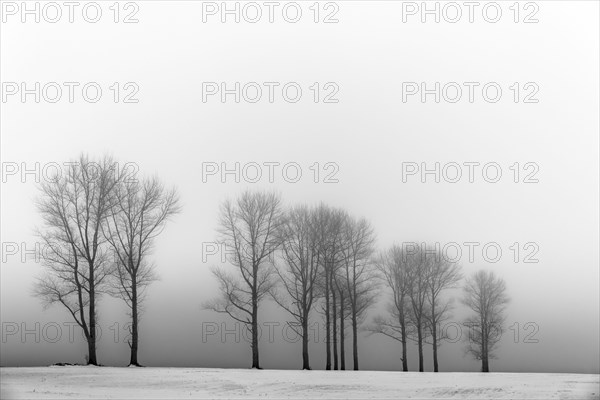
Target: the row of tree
(417, 277)
(100, 224)
(307, 258)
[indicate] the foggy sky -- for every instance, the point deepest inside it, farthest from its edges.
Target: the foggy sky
(369, 133)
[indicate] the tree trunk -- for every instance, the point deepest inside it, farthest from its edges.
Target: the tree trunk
(354, 341)
(327, 324)
(485, 366)
(435, 345)
(134, 324)
(342, 334)
(305, 361)
(403, 336)
(255, 363)
(83, 324)
(404, 358)
(435, 357)
(334, 320)
(484, 362)
(91, 351)
(420, 345)
(92, 307)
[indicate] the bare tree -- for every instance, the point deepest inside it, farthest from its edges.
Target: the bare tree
(485, 295)
(74, 206)
(417, 275)
(344, 311)
(358, 273)
(417, 268)
(249, 227)
(329, 223)
(441, 275)
(392, 264)
(139, 214)
(300, 251)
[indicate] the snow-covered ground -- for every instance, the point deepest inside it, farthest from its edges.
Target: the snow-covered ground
(107, 382)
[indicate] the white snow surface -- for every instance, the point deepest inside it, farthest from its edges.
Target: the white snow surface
(87, 382)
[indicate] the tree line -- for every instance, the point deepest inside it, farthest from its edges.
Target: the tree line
(322, 259)
(307, 259)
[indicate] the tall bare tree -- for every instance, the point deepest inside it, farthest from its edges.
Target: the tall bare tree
(298, 276)
(339, 283)
(74, 206)
(359, 276)
(417, 260)
(485, 295)
(329, 224)
(139, 214)
(442, 275)
(392, 265)
(249, 227)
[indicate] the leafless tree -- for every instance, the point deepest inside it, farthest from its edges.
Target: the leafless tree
(358, 239)
(417, 275)
(329, 224)
(74, 206)
(392, 265)
(298, 275)
(485, 295)
(339, 283)
(249, 227)
(417, 261)
(441, 275)
(141, 208)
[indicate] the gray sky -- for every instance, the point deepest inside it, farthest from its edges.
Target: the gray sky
(368, 134)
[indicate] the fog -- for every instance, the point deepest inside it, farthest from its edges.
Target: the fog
(368, 136)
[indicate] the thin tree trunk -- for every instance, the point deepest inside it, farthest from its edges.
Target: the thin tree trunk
(255, 362)
(420, 345)
(334, 320)
(354, 341)
(327, 324)
(354, 322)
(84, 326)
(435, 346)
(342, 334)
(134, 324)
(305, 361)
(485, 366)
(403, 336)
(404, 356)
(435, 356)
(92, 307)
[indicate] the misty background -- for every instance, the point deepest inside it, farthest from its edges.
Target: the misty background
(369, 133)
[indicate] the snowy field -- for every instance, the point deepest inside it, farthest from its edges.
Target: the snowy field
(106, 382)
